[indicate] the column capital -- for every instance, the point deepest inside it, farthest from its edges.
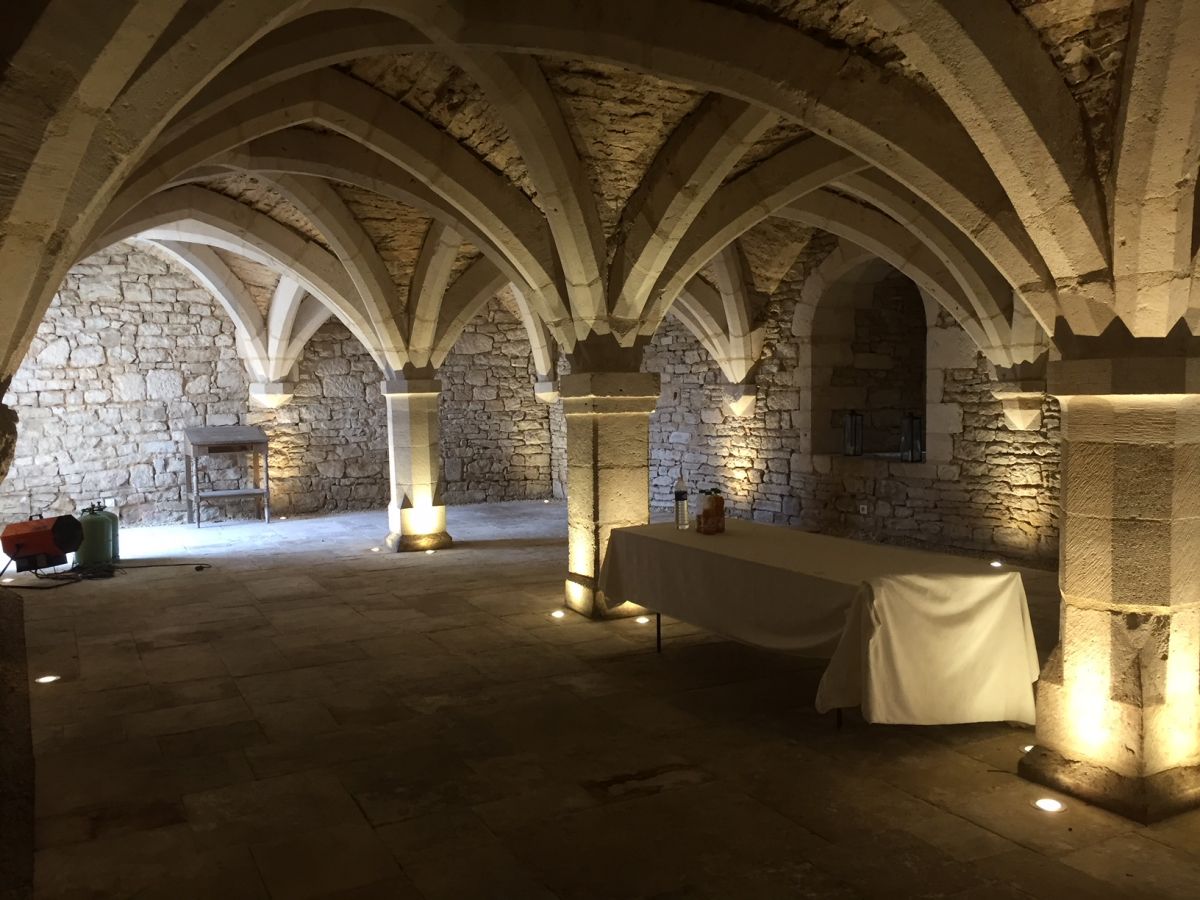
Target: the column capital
(399, 385)
(600, 393)
(271, 394)
(739, 400)
(1125, 375)
(1119, 362)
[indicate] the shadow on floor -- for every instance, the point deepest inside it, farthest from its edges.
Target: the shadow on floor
(16, 754)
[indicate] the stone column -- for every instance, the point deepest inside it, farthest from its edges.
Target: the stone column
(608, 473)
(1119, 699)
(416, 514)
(8, 430)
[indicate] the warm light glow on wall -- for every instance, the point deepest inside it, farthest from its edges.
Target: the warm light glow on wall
(1088, 710)
(581, 552)
(578, 597)
(1178, 722)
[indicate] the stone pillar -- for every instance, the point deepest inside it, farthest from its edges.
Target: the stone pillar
(608, 473)
(8, 430)
(1119, 699)
(416, 514)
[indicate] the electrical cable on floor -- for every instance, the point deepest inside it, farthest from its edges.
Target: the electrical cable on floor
(93, 572)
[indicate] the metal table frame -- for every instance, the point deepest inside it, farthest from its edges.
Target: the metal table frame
(220, 440)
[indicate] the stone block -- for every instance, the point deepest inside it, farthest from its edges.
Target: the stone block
(164, 384)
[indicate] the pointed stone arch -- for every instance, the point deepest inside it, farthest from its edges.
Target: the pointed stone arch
(991, 69)
(388, 128)
(1158, 151)
(742, 203)
(195, 215)
(686, 172)
(902, 250)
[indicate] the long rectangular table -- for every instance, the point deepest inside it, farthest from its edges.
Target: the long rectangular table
(917, 618)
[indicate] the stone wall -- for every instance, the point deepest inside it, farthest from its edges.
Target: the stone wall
(982, 488)
(870, 360)
(133, 351)
(496, 442)
(329, 444)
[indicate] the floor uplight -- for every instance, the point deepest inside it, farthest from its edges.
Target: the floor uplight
(545, 501)
(283, 518)
(995, 564)
(47, 679)
(430, 552)
(374, 549)
(643, 620)
(1027, 748)
(557, 614)
(1049, 804)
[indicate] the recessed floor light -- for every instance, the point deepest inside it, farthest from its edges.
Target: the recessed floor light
(374, 549)
(995, 564)
(1049, 804)
(283, 518)
(7, 581)
(430, 552)
(557, 614)
(47, 679)
(545, 501)
(643, 620)
(1027, 748)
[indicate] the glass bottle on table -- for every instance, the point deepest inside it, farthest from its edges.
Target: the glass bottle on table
(682, 521)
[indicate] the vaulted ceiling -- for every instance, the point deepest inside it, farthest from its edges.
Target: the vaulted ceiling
(1029, 163)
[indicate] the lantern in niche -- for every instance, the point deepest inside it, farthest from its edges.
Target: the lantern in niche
(852, 433)
(912, 438)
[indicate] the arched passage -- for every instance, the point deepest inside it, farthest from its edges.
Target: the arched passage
(867, 345)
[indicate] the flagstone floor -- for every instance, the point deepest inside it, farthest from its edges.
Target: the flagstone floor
(309, 718)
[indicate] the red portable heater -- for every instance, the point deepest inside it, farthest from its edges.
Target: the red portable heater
(39, 543)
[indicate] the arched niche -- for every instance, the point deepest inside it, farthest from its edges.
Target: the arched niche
(868, 355)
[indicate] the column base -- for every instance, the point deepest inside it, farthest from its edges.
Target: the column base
(1143, 800)
(410, 543)
(583, 598)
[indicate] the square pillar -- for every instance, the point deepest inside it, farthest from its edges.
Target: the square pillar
(608, 474)
(1119, 700)
(417, 513)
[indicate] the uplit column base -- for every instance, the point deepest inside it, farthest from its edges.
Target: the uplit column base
(1123, 718)
(583, 597)
(409, 543)
(417, 528)
(1143, 798)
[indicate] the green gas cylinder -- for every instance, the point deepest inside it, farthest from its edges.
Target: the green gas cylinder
(96, 548)
(115, 526)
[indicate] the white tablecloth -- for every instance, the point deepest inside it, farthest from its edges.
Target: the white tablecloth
(936, 649)
(928, 618)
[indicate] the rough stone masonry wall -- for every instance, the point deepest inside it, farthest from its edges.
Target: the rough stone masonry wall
(983, 487)
(133, 351)
(496, 442)
(880, 363)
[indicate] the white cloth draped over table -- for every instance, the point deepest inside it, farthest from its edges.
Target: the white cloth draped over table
(931, 638)
(936, 649)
